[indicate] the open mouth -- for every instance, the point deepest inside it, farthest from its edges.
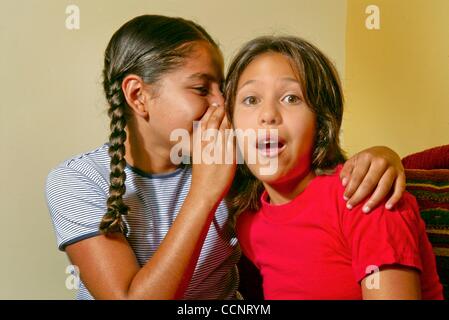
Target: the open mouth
(270, 146)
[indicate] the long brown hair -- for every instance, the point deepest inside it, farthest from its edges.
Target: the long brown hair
(148, 46)
(322, 91)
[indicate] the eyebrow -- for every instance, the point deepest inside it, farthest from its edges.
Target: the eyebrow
(205, 76)
(284, 79)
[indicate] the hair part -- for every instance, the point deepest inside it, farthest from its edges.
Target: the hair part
(322, 92)
(148, 46)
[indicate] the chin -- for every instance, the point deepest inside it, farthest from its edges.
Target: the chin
(265, 175)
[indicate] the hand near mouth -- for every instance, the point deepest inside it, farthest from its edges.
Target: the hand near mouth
(214, 178)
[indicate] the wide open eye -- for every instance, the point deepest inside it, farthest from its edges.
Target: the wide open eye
(292, 99)
(251, 100)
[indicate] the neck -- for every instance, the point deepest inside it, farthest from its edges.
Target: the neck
(144, 153)
(284, 192)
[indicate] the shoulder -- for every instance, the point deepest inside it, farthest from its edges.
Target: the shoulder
(401, 222)
(328, 186)
(90, 167)
(76, 192)
(93, 160)
(385, 237)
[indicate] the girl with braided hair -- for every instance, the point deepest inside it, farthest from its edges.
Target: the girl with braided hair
(139, 226)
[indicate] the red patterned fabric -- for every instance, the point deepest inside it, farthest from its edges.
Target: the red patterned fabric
(435, 158)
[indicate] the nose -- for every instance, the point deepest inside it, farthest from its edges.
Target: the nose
(269, 115)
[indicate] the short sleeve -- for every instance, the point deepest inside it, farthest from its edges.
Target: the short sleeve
(76, 204)
(384, 237)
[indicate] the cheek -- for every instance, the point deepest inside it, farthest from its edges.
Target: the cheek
(305, 130)
(186, 110)
(243, 120)
(244, 127)
(309, 135)
(192, 109)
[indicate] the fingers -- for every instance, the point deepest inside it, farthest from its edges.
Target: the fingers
(216, 117)
(200, 132)
(209, 142)
(369, 181)
(377, 168)
(346, 171)
(228, 141)
(399, 189)
(382, 190)
(225, 124)
(360, 169)
(206, 116)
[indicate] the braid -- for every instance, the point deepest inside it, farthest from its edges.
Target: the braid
(112, 220)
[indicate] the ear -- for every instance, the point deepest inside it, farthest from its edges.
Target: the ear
(136, 95)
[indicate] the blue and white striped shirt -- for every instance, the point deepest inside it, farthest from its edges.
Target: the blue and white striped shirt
(77, 191)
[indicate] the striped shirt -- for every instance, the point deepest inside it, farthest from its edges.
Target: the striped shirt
(77, 191)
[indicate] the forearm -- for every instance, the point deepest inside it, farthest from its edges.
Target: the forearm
(167, 274)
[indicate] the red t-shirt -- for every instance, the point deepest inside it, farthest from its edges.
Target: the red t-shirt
(315, 248)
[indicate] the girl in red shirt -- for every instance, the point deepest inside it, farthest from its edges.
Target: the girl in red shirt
(293, 222)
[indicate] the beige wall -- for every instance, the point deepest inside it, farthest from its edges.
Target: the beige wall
(52, 105)
(397, 78)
